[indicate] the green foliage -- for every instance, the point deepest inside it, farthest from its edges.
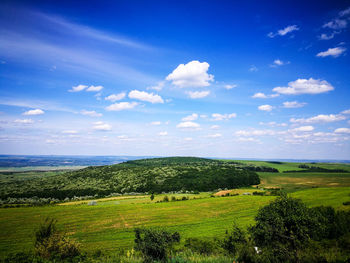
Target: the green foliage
(202, 246)
(50, 244)
(234, 240)
(155, 244)
(148, 175)
(283, 228)
(152, 197)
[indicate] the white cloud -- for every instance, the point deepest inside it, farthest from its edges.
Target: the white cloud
(215, 127)
(216, 135)
(198, 94)
(192, 117)
(260, 95)
(284, 31)
(193, 74)
(265, 107)
(327, 37)
(34, 112)
(115, 97)
(122, 106)
(278, 62)
(221, 117)
(254, 132)
(94, 88)
(163, 133)
(188, 139)
(249, 139)
(319, 119)
(274, 124)
(158, 87)
(78, 88)
(101, 126)
(336, 24)
(342, 130)
(346, 111)
(305, 86)
(253, 68)
(228, 87)
(91, 113)
(188, 125)
(293, 104)
(303, 129)
(145, 96)
(156, 123)
(334, 52)
(69, 132)
(24, 121)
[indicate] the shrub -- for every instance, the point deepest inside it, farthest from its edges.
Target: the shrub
(152, 197)
(234, 240)
(184, 198)
(155, 244)
(173, 198)
(200, 246)
(346, 203)
(51, 244)
(166, 199)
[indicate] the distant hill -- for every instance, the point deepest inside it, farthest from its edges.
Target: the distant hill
(146, 175)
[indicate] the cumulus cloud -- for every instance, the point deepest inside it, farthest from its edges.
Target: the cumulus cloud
(188, 125)
(198, 94)
(115, 97)
(156, 123)
(253, 68)
(278, 62)
(274, 124)
(78, 88)
(222, 117)
(254, 132)
(346, 111)
(334, 52)
(163, 133)
(215, 127)
(265, 107)
(157, 87)
(260, 95)
(192, 117)
(24, 121)
(216, 135)
(91, 113)
(188, 139)
(328, 37)
(319, 119)
(33, 112)
(101, 126)
(303, 129)
(305, 86)
(145, 96)
(336, 24)
(193, 74)
(342, 130)
(284, 31)
(122, 106)
(232, 86)
(293, 104)
(94, 88)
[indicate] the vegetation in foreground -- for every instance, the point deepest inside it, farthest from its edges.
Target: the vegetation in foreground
(286, 230)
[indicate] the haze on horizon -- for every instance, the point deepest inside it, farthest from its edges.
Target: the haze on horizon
(162, 78)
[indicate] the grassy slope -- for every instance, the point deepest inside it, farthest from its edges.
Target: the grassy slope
(109, 225)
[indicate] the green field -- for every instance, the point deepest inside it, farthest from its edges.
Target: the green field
(109, 224)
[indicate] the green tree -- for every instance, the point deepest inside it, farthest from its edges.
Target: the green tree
(155, 243)
(152, 197)
(282, 228)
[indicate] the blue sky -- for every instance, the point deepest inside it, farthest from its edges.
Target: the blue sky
(165, 78)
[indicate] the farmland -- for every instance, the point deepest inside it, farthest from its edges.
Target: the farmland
(109, 224)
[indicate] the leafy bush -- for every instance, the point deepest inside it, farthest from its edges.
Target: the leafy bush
(51, 244)
(166, 199)
(155, 244)
(234, 240)
(204, 247)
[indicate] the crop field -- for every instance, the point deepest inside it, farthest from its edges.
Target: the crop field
(109, 225)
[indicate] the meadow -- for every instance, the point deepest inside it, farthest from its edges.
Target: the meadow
(109, 225)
